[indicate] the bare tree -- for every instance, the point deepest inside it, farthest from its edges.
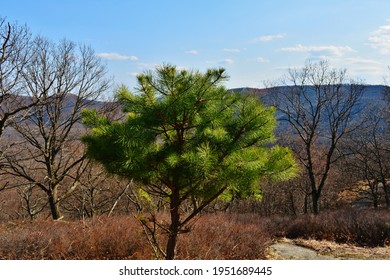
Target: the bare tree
(30, 204)
(50, 154)
(14, 55)
(318, 103)
(369, 155)
(98, 194)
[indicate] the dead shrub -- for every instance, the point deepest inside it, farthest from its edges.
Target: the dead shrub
(102, 238)
(364, 227)
(221, 236)
(225, 236)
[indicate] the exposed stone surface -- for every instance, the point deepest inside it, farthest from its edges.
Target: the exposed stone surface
(301, 249)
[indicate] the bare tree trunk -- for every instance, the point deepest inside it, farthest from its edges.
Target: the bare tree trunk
(387, 198)
(305, 204)
(292, 203)
(386, 191)
(375, 201)
(315, 197)
(53, 203)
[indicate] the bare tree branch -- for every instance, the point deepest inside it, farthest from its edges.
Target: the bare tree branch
(62, 79)
(319, 103)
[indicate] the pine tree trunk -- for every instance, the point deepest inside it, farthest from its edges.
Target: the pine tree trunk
(174, 227)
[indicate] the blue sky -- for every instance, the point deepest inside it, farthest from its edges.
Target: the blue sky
(254, 40)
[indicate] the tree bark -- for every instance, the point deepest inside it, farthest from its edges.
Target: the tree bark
(175, 224)
(386, 190)
(305, 204)
(315, 198)
(53, 202)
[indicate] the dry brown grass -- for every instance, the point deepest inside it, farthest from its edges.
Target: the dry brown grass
(103, 238)
(363, 227)
(221, 236)
(226, 236)
(213, 236)
(9, 205)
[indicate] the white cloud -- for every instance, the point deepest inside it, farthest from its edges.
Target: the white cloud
(362, 61)
(134, 74)
(268, 38)
(380, 39)
(117, 56)
(262, 59)
(227, 61)
(330, 49)
(231, 50)
(193, 52)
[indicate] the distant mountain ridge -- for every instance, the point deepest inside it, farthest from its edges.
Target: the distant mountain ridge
(372, 93)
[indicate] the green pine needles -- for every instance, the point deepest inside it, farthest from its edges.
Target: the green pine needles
(186, 138)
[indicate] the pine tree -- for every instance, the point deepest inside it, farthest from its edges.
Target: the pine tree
(184, 137)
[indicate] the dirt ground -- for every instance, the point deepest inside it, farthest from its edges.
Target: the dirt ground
(300, 249)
